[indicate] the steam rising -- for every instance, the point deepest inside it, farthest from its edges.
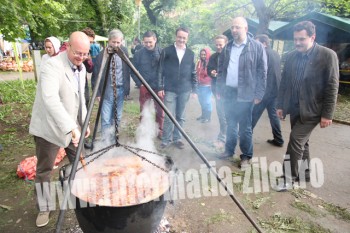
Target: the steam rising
(148, 129)
(144, 139)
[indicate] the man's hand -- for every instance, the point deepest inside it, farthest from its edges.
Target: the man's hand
(325, 122)
(279, 113)
(194, 95)
(213, 73)
(161, 93)
(87, 133)
(257, 101)
(75, 136)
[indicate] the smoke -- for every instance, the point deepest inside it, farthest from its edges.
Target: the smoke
(148, 128)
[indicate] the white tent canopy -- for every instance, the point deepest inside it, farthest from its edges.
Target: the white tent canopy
(100, 38)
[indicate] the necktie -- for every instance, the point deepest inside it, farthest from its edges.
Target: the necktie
(77, 81)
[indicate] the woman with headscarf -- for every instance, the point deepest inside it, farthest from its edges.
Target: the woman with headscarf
(204, 86)
(52, 46)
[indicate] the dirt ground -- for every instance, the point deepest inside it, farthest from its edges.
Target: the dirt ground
(219, 214)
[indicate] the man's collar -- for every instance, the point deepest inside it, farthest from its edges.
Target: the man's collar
(243, 43)
(309, 52)
(74, 67)
(178, 47)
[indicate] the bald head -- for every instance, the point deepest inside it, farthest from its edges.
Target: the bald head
(239, 29)
(78, 49)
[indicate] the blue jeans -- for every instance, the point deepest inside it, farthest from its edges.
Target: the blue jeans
(220, 110)
(107, 111)
(238, 114)
(270, 105)
(204, 97)
(176, 104)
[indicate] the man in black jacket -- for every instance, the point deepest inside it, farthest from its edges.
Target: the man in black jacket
(212, 69)
(176, 79)
(271, 92)
(146, 61)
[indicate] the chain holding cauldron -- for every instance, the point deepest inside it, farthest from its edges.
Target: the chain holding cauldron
(133, 150)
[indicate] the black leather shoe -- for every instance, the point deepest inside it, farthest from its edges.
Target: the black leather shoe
(199, 118)
(87, 145)
(307, 176)
(275, 143)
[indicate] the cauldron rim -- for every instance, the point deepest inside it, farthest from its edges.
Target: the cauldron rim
(168, 163)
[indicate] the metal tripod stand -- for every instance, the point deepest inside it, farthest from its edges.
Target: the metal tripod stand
(106, 60)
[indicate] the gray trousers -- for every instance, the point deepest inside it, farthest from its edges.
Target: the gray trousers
(298, 146)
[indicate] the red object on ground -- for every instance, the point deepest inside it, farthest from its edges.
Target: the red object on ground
(27, 167)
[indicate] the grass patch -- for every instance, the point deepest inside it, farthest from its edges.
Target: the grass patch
(305, 207)
(131, 107)
(219, 217)
(14, 92)
(342, 111)
(259, 202)
(337, 211)
(279, 223)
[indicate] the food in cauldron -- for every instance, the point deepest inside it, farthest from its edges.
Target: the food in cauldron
(121, 181)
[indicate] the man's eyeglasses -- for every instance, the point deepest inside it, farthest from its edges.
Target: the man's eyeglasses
(79, 54)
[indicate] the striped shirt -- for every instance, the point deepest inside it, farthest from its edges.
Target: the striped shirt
(297, 81)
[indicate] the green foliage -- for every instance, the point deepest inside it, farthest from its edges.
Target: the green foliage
(41, 16)
(205, 19)
(12, 91)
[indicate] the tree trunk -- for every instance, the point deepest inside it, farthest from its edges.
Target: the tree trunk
(150, 13)
(264, 15)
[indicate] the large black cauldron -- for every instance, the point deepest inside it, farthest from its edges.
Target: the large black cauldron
(140, 218)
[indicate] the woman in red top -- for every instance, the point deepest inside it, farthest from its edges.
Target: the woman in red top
(204, 86)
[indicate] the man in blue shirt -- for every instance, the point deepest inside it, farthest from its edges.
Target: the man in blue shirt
(241, 77)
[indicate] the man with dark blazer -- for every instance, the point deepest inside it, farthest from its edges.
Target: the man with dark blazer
(177, 79)
(59, 111)
(308, 92)
(119, 75)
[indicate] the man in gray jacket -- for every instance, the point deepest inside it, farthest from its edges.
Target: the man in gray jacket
(308, 92)
(242, 76)
(59, 111)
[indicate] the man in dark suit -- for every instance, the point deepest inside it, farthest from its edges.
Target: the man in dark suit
(308, 92)
(59, 111)
(269, 100)
(176, 80)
